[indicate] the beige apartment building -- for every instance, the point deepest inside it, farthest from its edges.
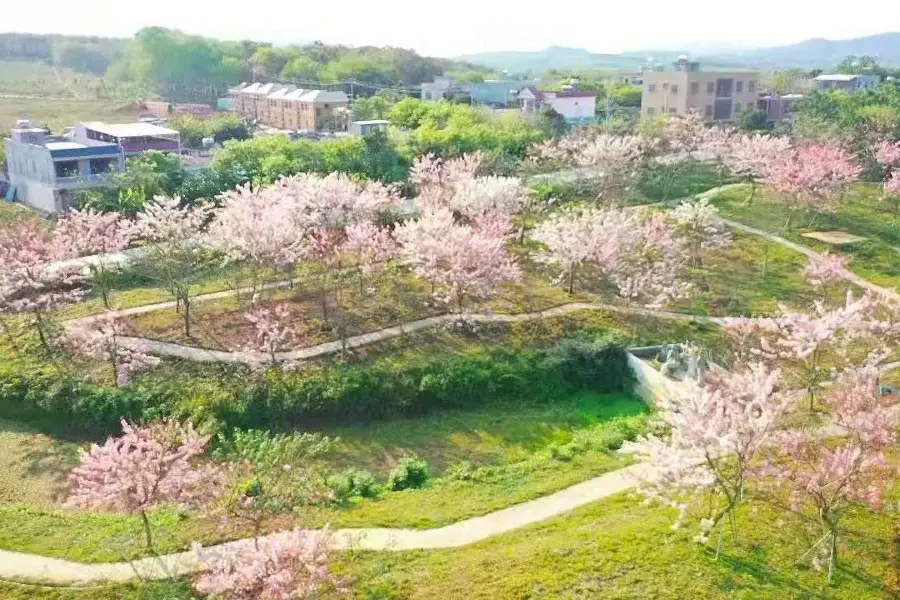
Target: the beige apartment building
(288, 108)
(716, 96)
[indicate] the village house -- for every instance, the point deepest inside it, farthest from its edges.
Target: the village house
(291, 109)
(576, 106)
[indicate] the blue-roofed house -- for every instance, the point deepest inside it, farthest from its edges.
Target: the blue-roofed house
(47, 172)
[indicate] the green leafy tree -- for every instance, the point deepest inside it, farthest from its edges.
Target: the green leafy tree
(301, 68)
(754, 119)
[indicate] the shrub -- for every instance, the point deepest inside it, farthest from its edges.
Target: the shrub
(353, 483)
(224, 398)
(410, 473)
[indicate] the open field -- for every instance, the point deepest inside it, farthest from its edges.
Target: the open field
(59, 113)
(862, 212)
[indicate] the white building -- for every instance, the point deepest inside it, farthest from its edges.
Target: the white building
(848, 83)
(47, 172)
(364, 127)
(574, 105)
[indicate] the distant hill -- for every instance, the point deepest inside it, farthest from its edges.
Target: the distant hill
(815, 53)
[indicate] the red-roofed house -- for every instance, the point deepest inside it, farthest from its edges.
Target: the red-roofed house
(574, 105)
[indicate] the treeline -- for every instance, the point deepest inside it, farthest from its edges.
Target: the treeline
(84, 54)
(182, 67)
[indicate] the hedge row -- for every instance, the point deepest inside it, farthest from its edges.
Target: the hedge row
(285, 400)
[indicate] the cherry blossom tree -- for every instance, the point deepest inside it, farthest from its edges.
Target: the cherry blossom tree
(752, 157)
(718, 429)
(176, 252)
(257, 229)
(811, 176)
(465, 261)
(30, 282)
(685, 133)
(887, 153)
(800, 341)
(145, 467)
(652, 266)
(372, 248)
(699, 224)
(594, 238)
(103, 338)
(287, 566)
(634, 251)
(617, 160)
(828, 475)
(826, 269)
(91, 233)
(272, 331)
(334, 201)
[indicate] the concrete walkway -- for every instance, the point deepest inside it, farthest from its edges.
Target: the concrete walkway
(194, 353)
(40, 570)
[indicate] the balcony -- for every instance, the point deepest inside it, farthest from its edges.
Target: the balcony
(78, 182)
(136, 146)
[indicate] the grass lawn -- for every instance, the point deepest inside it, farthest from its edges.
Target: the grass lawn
(861, 213)
(11, 212)
(514, 453)
(750, 278)
(33, 466)
(614, 549)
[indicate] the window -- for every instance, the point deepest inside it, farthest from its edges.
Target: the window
(695, 87)
(710, 87)
(665, 85)
(751, 86)
(708, 111)
(673, 111)
(737, 108)
(651, 88)
(67, 168)
(738, 86)
(101, 165)
(674, 89)
(650, 111)
(724, 87)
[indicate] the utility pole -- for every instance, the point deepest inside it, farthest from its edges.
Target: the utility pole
(609, 105)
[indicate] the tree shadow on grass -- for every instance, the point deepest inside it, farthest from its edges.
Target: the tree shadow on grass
(761, 573)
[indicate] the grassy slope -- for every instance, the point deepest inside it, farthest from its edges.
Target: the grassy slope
(522, 444)
(58, 113)
(617, 548)
(861, 213)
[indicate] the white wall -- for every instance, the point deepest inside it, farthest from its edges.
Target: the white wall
(574, 108)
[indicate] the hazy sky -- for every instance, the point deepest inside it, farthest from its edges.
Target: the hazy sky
(465, 26)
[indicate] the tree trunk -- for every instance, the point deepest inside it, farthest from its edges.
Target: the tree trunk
(148, 535)
(832, 557)
(39, 323)
(572, 279)
(9, 336)
(186, 315)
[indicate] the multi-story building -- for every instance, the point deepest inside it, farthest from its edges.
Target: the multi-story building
(47, 172)
(715, 96)
(848, 83)
(288, 108)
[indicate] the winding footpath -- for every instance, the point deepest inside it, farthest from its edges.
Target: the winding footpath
(40, 570)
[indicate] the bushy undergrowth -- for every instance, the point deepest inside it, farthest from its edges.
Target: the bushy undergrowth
(62, 400)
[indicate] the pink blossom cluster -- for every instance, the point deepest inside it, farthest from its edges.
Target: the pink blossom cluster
(887, 153)
(752, 157)
(717, 430)
(29, 281)
(144, 467)
(812, 175)
(88, 232)
(465, 260)
(701, 227)
(825, 269)
(287, 566)
(272, 330)
(373, 246)
(103, 338)
(685, 133)
(636, 251)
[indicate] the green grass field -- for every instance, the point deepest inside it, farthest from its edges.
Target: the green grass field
(862, 212)
(527, 450)
(614, 549)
